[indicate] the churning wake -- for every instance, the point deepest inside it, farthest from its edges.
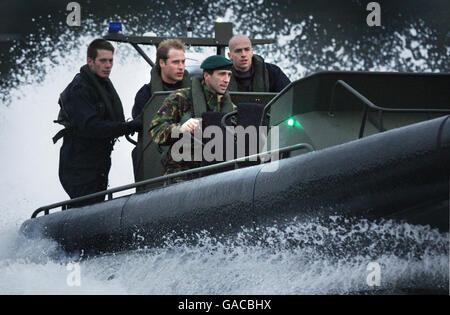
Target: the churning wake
(331, 256)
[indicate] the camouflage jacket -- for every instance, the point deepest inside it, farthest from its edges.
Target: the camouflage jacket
(175, 110)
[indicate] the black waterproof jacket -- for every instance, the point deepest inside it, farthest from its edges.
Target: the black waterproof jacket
(86, 149)
(262, 77)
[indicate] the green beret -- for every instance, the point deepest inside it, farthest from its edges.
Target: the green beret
(216, 62)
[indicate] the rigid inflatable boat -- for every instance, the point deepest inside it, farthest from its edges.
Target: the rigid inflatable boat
(374, 145)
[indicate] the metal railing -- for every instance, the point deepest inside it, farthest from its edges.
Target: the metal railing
(109, 192)
(368, 104)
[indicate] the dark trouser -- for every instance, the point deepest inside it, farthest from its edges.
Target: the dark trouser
(134, 157)
(75, 188)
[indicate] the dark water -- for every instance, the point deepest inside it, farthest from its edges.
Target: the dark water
(312, 35)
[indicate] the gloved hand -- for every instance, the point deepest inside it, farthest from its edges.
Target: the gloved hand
(134, 126)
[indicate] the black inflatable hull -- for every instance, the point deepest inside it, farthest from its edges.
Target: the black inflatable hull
(402, 174)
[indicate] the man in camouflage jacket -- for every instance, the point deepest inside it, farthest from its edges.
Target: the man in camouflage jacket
(177, 113)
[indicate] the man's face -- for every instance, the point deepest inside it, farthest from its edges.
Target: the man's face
(102, 64)
(241, 52)
(218, 81)
(172, 69)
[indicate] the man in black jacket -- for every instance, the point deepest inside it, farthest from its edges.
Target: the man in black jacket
(250, 72)
(93, 116)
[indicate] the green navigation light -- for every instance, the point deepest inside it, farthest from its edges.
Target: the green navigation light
(291, 122)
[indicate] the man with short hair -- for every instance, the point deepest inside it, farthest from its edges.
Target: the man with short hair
(92, 114)
(181, 110)
(250, 72)
(168, 74)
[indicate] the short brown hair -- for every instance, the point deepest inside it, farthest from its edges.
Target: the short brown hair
(98, 43)
(163, 49)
